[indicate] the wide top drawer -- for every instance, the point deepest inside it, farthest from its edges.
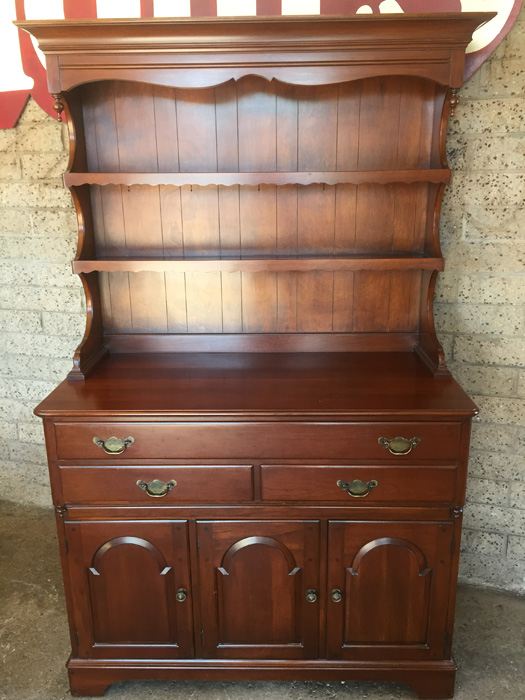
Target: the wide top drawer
(114, 441)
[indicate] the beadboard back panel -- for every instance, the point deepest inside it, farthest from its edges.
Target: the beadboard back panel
(253, 125)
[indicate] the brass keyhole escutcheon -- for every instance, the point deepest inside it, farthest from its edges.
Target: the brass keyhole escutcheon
(181, 595)
(312, 596)
(156, 488)
(336, 595)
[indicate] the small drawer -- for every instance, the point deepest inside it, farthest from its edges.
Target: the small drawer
(156, 485)
(354, 485)
(262, 441)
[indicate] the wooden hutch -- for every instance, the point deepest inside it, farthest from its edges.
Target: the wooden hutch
(258, 460)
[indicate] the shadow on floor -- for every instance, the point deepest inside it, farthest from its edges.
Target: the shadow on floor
(34, 644)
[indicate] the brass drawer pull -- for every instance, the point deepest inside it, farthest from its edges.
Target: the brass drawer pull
(311, 595)
(181, 595)
(336, 595)
(399, 445)
(358, 488)
(156, 488)
(114, 445)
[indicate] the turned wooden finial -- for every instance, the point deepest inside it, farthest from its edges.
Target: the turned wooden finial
(58, 106)
(454, 101)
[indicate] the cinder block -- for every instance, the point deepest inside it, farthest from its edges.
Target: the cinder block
(507, 289)
(64, 324)
(24, 452)
(495, 153)
(9, 166)
(35, 273)
(482, 380)
(494, 465)
(8, 430)
(480, 318)
(483, 543)
(26, 390)
(43, 166)
(40, 137)
(42, 298)
(37, 194)
(487, 491)
(492, 571)
(31, 432)
(493, 116)
(494, 519)
(490, 351)
(516, 548)
(47, 345)
(7, 139)
(54, 223)
(49, 369)
(11, 410)
(521, 383)
(494, 438)
(17, 321)
(26, 482)
(517, 494)
(496, 409)
(40, 248)
(33, 113)
(15, 220)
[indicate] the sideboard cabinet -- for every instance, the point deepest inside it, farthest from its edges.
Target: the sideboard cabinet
(258, 459)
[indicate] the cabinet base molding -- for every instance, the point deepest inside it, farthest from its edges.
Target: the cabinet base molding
(431, 679)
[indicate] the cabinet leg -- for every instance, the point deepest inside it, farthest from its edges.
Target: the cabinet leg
(434, 685)
(86, 684)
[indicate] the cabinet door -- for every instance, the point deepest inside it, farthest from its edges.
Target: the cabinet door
(124, 578)
(394, 579)
(259, 589)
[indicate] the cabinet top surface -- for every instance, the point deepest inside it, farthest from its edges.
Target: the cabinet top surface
(246, 385)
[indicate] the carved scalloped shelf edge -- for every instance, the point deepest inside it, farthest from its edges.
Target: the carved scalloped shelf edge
(254, 179)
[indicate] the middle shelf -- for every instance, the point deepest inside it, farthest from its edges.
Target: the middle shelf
(260, 264)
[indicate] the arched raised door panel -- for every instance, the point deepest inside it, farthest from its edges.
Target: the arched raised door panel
(394, 577)
(389, 585)
(127, 584)
(255, 577)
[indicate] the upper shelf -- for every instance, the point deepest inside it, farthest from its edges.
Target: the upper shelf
(298, 50)
(355, 177)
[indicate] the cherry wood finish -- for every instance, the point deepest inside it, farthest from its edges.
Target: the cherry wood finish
(395, 484)
(288, 439)
(394, 578)
(255, 579)
(258, 461)
(194, 484)
(124, 578)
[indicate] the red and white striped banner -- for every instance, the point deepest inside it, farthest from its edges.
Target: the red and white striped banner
(23, 65)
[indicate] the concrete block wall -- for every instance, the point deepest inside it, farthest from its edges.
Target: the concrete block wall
(480, 306)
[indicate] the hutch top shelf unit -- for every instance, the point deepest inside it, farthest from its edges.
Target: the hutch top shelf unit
(249, 184)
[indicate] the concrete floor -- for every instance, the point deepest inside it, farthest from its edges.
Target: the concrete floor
(489, 639)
